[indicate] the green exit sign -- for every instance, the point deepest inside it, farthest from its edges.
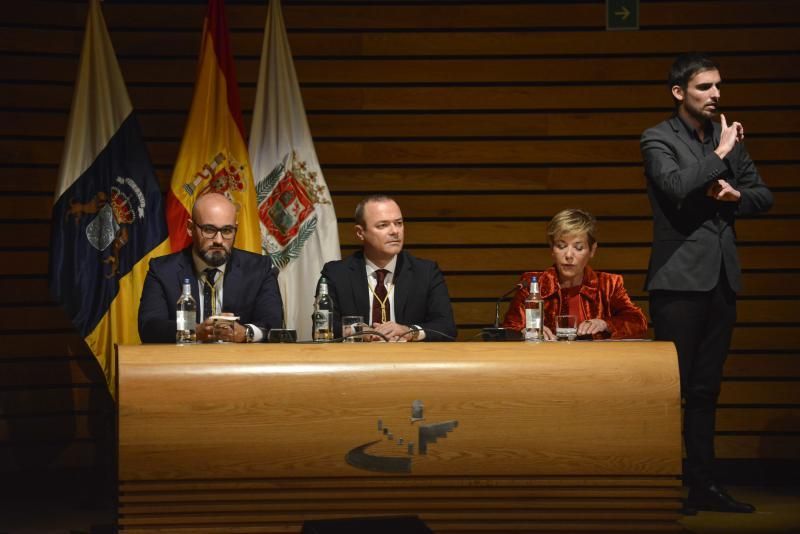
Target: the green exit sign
(622, 14)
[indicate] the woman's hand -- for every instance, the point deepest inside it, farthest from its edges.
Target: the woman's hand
(591, 327)
(548, 334)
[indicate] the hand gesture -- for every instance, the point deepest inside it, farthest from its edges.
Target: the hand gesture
(729, 136)
(722, 190)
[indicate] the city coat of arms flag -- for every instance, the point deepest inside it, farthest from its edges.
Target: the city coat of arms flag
(298, 223)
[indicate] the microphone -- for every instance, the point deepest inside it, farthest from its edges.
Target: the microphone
(498, 333)
(516, 287)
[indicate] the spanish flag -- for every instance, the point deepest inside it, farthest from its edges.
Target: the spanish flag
(213, 154)
(108, 217)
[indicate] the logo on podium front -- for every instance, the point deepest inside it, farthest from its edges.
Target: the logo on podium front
(394, 453)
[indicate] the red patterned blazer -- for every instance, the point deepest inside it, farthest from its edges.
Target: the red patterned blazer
(603, 296)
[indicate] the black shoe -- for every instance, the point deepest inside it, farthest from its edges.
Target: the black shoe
(688, 510)
(716, 499)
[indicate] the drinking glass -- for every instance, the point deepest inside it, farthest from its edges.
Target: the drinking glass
(566, 327)
(352, 325)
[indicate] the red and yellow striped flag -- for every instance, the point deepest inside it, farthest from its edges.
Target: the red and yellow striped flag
(213, 154)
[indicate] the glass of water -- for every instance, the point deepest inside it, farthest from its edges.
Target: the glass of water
(352, 325)
(566, 327)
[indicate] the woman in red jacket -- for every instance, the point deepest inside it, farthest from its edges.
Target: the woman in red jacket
(570, 287)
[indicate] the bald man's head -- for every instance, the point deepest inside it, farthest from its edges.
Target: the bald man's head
(212, 201)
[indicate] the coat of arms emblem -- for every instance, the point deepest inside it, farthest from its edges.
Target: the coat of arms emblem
(113, 212)
(223, 174)
(286, 198)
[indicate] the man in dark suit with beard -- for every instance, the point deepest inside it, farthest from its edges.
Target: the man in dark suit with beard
(223, 279)
(401, 296)
(699, 179)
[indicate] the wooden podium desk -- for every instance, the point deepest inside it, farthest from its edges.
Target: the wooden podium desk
(510, 437)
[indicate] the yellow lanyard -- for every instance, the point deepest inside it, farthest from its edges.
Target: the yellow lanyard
(213, 291)
(384, 300)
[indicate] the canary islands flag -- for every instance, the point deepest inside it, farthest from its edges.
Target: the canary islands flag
(213, 155)
(108, 219)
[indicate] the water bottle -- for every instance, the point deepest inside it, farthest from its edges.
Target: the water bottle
(186, 315)
(534, 308)
(323, 314)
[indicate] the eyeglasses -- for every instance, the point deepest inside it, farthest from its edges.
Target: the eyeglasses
(209, 231)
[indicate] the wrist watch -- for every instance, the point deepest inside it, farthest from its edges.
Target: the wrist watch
(415, 332)
(249, 334)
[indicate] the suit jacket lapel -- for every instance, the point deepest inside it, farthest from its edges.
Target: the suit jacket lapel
(360, 287)
(232, 285)
(683, 135)
(402, 281)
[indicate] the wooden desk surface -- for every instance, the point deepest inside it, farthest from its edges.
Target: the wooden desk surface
(295, 410)
(542, 415)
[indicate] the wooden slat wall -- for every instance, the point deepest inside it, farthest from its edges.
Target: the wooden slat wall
(482, 119)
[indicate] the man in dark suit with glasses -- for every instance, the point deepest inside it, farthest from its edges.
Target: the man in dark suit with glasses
(223, 279)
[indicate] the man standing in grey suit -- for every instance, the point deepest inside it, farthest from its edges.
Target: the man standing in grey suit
(699, 179)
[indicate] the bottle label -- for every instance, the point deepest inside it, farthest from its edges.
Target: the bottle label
(323, 325)
(533, 321)
(322, 319)
(186, 320)
(533, 318)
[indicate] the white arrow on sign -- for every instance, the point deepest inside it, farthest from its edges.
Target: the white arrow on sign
(624, 13)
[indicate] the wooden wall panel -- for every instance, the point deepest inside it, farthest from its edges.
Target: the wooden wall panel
(343, 99)
(420, 71)
(481, 118)
(458, 205)
(462, 125)
(415, 43)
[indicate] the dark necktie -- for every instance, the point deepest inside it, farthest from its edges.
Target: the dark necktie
(209, 293)
(380, 297)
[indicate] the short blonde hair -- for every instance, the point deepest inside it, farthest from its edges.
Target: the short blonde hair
(571, 221)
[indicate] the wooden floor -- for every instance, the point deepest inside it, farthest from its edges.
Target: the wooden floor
(74, 511)
(778, 513)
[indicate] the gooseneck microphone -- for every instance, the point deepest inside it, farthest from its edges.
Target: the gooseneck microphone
(497, 333)
(516, 287)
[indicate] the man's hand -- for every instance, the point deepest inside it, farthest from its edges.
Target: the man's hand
(722, 190)
(235, 333)
(392, 330)
(205, 331)
(728, 137)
